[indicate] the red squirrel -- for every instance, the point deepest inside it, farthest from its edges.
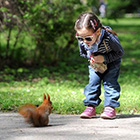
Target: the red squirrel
(38, 116)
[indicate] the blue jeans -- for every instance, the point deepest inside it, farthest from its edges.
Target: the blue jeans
(111, 86)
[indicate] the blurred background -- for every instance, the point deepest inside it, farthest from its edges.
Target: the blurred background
(40, 32)
(39, 52)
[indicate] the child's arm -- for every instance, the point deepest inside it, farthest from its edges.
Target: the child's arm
(115, 44)
(111, 56)
(117, 50)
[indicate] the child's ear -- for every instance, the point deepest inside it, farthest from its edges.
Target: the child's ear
(99, 31)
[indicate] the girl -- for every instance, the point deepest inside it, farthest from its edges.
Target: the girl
(101, 46)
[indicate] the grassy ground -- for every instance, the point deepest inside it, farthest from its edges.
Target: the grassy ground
(65, 84)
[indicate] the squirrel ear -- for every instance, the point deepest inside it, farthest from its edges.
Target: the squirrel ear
(44, 97)
(48, 97)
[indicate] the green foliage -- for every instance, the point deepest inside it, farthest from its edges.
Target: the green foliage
(93, 3)
(53, 28)
(116, 8)
(36, 33)
(133, 6)
(49, 24)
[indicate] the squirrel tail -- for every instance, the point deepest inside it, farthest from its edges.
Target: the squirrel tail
(29, 113)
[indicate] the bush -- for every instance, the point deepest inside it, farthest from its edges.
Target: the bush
(43, 32)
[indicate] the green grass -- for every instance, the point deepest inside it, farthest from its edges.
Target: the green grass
(65, 84)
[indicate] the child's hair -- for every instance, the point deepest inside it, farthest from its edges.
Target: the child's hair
(90, 21)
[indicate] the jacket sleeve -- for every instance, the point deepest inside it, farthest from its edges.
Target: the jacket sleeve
(83, 52)
(117, 50)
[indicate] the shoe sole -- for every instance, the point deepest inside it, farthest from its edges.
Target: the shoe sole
(107, 117)
(84, 116)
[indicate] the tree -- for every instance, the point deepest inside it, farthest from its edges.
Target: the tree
(10, 17)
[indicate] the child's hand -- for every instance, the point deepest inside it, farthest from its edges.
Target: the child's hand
(92, 60)
(97, 59)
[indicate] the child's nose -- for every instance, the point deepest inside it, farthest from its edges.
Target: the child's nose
(85, 41)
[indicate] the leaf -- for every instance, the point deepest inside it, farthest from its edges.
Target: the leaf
(20, 70)
(3, 9)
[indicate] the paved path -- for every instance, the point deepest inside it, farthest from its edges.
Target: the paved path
(71, 127)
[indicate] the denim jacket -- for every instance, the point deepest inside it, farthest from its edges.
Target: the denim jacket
(113, 51)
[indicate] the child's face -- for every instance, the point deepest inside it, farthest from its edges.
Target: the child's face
(87, 36)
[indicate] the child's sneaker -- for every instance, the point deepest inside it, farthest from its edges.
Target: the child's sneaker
(109, 113)
(89, 112)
